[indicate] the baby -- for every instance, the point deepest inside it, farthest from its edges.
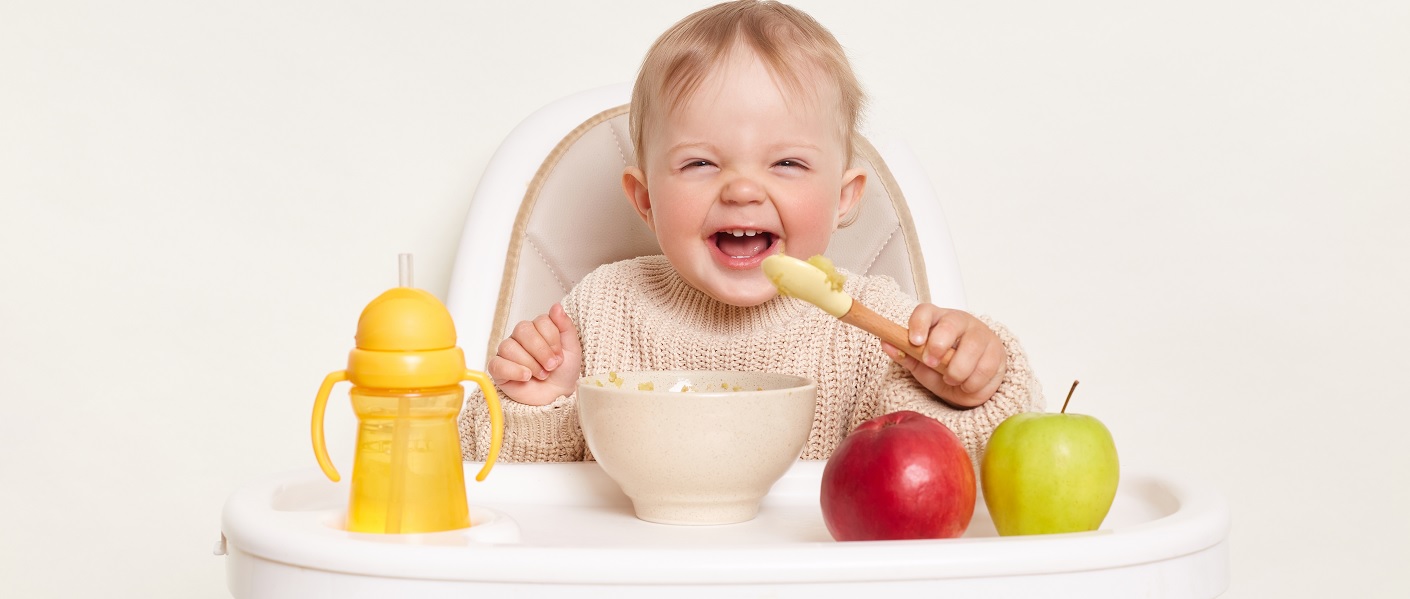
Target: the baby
(743, 116)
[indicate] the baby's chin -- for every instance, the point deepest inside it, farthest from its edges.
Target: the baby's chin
(743, 298)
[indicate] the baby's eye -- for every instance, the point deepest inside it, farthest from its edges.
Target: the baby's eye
(698, 164)
(790, 163)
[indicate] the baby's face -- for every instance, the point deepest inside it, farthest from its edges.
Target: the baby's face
(744, 156)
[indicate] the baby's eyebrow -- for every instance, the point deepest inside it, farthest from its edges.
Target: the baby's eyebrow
(785, 147)
(691, 145)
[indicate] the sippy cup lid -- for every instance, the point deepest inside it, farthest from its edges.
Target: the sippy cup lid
(405, 319)
(405, 340)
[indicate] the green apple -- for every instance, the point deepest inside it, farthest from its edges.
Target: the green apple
(1048, 473)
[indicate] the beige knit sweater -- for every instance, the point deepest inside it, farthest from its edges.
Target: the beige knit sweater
(640, 315)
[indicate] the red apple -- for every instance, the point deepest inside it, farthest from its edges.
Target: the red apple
(902, 475)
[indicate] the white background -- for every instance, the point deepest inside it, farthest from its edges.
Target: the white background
(1196, 207)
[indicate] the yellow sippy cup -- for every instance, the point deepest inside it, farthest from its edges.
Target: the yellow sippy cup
(406, 372)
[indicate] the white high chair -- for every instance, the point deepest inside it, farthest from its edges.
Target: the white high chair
(550, 208)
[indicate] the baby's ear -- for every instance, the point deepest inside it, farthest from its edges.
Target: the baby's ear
(854, 182)
(634, 184)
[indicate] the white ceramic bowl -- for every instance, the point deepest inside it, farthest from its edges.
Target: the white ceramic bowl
(696, 447)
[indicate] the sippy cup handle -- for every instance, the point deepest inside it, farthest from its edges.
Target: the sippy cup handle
(320, 450)
(496, 419)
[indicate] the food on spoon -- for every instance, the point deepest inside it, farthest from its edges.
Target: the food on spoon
(835, 279)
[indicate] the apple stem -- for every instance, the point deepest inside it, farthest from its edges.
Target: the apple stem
(1069, 396)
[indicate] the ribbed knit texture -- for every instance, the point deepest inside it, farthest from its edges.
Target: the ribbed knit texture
(640, 315)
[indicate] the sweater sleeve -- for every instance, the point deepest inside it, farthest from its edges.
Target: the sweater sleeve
(548, 433)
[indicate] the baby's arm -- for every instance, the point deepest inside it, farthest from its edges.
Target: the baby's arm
(1018, 391)
(892, 387)
(541, 432)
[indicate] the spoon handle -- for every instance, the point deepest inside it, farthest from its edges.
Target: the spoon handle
(868, 320)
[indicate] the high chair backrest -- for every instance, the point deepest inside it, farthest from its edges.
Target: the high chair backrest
(550, 208)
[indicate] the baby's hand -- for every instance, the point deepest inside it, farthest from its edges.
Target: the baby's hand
(972, 376)
(540, 360)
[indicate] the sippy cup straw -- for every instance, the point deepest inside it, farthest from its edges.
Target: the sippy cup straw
(404, 271)
(401, 430)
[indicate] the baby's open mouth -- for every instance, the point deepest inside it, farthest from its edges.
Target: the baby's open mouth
(744, 243)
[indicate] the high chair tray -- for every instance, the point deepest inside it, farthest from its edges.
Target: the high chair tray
(546, 530)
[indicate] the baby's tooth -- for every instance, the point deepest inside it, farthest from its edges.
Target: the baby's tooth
(751, 232)
(737, 232)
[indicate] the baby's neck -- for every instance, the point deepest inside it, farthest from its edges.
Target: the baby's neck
(672, 299)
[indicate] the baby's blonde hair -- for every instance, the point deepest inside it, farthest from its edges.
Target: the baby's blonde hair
(791, 44)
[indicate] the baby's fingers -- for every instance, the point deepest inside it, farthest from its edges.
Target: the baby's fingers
(982, 374)
(990, 371)
(539, 340)
(963, 365)
(504, 370)
(941, 337)
(567, 331)
(922, 319)
(517, 353)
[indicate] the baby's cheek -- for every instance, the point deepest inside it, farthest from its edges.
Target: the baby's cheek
(808, 233)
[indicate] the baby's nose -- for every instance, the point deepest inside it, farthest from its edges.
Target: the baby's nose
(743, 189)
